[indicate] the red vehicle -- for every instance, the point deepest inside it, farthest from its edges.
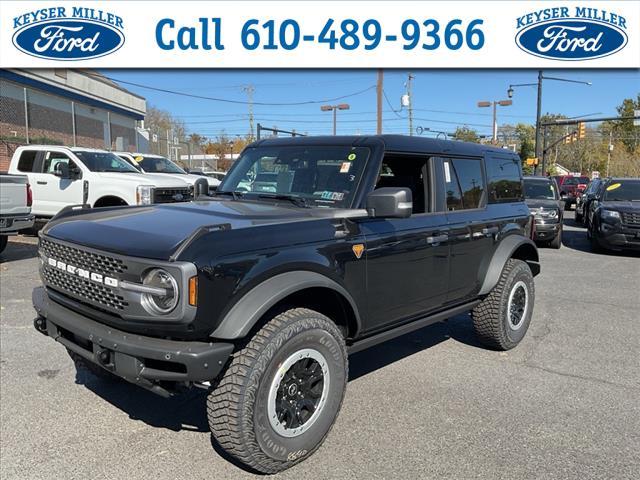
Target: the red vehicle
(570, 188)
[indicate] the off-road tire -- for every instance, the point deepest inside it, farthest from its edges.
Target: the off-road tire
(491, 318)
(557, 240)
(3, 242)
(85, 366)
(237, 407)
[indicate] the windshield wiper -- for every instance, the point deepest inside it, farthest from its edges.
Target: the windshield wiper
(297, 200)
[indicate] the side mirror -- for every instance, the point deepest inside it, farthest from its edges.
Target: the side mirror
(62, 170)
(390, 202)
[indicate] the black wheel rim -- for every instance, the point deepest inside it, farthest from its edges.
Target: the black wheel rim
(517, 305)
(299, 393)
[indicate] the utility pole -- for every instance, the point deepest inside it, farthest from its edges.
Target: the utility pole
(379, 96)
(609, 149)
(410, 95)
(249, 89)
(538, 115)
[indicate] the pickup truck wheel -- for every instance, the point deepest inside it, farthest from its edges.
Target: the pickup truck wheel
(281, 394)
(3, 242)
(83, 365)
(502, 318)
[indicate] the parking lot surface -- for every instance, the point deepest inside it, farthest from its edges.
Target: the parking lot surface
(433, 404)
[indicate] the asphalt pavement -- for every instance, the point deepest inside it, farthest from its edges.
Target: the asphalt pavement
(433, 404)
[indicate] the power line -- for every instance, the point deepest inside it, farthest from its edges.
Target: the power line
(240, 102)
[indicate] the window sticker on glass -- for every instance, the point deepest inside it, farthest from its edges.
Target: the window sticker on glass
(327, 195)
(613, 186)
(139, 158)
(351, 157)
(345, 167)
(447, 172)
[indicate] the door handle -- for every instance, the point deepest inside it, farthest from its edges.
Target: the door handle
(490, 231)
(39, 182)
(437, 239)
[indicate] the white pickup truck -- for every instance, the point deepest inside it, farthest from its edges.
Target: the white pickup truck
(63, 176)
(15, 206)
(148, 163)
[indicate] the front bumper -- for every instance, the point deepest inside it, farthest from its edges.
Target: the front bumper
(618, 237)
(13, 223)
(546, 231)
(145, 361)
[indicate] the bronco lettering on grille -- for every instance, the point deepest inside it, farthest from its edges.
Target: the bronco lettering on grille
(82, 273)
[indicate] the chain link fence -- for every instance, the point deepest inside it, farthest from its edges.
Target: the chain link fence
(31, 116)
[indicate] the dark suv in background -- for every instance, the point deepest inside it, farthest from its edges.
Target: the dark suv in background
(541, 196)
(615, 215)
(583, 203)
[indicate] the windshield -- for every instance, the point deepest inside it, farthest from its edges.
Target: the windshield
(158, 165)
(104, 162)
(539, 189)
(623, 191)
(326, 176)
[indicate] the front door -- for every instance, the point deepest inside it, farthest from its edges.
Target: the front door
(407, 258)
(54, 193)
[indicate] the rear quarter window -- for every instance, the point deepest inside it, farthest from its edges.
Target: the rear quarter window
(504, 179)
(27, 161)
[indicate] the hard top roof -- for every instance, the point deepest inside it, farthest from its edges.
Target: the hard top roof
(394, 143)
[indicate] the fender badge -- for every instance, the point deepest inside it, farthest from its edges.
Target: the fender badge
(358, 249)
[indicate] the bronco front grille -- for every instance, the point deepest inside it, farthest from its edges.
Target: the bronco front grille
(631, 218)
(93, 262)
(83, 289)
(170, 195)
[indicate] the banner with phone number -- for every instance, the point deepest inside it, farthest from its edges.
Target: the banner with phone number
(320, 34)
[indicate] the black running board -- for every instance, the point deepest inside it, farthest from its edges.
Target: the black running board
(410, 327)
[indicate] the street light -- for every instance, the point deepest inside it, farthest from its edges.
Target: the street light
(335, 108)
(502, 103)
(539, 109)
(421, 130)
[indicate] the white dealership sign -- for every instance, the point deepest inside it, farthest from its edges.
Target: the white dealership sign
(315, 34)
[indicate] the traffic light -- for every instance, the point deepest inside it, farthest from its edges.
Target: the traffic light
(532, 161)
(572, 137)
(582, 130)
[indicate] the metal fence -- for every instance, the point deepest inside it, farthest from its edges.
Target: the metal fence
(32, 116)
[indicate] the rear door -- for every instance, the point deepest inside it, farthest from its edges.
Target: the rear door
(407, 258)
(472, 230)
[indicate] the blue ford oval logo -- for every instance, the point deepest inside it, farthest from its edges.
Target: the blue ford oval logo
(570, 39)
(69, 39)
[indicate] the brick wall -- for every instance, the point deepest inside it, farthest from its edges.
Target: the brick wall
(6, 152)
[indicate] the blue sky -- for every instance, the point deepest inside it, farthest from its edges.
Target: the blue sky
(443, 99)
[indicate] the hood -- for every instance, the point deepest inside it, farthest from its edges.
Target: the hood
(536, 203)
(626, 206)
(143, 179)
(156, 231)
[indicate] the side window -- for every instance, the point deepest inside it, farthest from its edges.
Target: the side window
(51, 159)
(464, 183)
(504, 178)
(407, 171)
(27, 161)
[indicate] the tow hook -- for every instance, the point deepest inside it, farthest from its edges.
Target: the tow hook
(103, 356)
(40, 324)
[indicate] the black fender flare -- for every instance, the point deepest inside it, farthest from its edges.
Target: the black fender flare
(506, 249)
(241, 318)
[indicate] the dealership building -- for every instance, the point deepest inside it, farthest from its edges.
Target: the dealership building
(67, 107)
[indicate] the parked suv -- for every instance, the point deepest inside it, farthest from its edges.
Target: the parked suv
(64, 176)
(260, 296)
(615, 219)
(583, 203)
(541, 196)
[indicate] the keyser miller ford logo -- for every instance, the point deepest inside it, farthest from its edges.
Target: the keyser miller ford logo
(571, 33)
(61, 33)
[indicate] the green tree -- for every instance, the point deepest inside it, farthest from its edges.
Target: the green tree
(624, 129)
(466, 134)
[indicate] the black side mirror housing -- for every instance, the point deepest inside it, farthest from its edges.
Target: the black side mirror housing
(390, 202)
(200, 187)
(62, 170)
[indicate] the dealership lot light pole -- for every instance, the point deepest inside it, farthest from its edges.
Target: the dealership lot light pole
(335, 108)
(502, 103)
(539, 105)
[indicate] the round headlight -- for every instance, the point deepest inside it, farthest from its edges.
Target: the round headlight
(553, 213)
(160, 304)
